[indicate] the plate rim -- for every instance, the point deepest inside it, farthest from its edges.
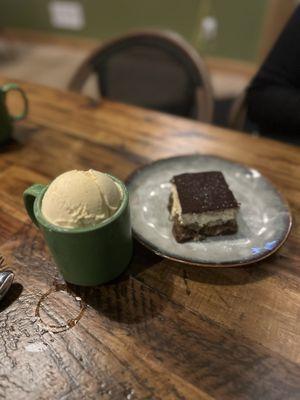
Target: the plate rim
(226, 264)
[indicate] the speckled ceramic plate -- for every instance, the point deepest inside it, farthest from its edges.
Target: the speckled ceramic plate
(264, 219)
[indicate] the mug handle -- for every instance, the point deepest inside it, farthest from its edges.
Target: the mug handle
(13, 86)
(29, 197)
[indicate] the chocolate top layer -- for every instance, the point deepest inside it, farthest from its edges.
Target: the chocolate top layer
(203, 191)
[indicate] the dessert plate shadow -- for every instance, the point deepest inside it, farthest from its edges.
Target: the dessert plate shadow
(264, 218)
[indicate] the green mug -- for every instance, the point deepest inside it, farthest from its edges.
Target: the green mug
(6, 120)
(90, 255)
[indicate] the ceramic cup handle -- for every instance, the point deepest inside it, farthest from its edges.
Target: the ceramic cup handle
(29, 197)
(13, 86)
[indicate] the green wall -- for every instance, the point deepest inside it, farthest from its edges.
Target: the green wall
(106, 18)
(239, 21)
(240, 26)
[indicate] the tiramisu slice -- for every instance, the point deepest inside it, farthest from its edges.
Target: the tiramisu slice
(201, 204)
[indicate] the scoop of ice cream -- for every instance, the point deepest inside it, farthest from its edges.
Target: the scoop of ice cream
(81, 198)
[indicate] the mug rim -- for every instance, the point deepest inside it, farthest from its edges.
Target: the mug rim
(48, 225)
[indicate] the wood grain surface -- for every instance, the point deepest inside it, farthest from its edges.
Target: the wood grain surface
(163, 330)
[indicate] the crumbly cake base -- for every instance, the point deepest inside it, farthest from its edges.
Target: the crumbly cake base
(186, 233)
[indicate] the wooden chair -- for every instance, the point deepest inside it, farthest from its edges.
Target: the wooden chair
(238, 117)
(238, 113)
(152, 69)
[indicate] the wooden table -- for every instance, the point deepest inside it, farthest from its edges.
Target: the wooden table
(164, 330)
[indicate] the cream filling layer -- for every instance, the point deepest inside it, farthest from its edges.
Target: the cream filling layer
(209, 218)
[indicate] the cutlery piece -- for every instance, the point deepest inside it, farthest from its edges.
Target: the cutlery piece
(6, 279)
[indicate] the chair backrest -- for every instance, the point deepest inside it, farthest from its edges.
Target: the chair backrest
(152, 69)
(238, 116)
(238, 113)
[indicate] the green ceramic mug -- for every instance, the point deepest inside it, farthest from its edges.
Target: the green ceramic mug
(6, 120)
(90, 255)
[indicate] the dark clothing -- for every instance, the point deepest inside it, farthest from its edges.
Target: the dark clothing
(273, 97)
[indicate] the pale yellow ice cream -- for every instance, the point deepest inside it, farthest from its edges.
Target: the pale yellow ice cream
(81, 198)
